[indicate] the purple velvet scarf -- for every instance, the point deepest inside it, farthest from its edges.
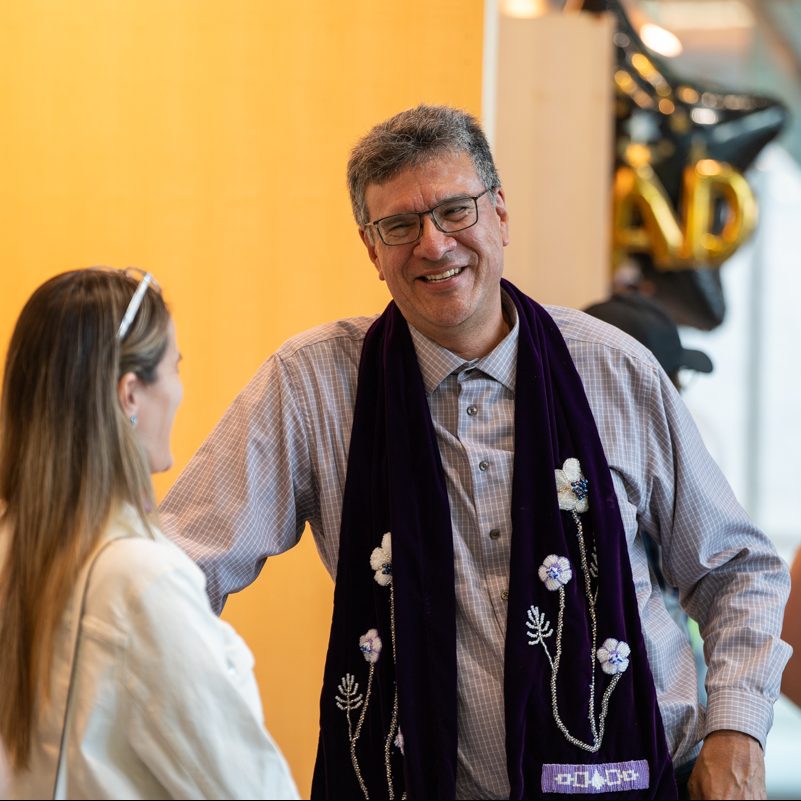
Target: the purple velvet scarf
(388, 704)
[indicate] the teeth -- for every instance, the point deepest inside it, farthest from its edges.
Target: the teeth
(443, 276)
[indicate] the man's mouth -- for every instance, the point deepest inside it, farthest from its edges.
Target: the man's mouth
(432, 279)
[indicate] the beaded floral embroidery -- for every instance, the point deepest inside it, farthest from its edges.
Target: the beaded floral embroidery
(381, 561)
(572, 487)
(349, 698)
(614, 656)
(555, 573)
(370, 646)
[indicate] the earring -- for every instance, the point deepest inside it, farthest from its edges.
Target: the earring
(133, 420)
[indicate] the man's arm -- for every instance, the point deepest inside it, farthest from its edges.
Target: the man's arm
(732, 581)
(248, 491)
(731, 765)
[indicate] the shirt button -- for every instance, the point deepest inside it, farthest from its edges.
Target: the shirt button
(495, 533)
(483, 465)
(472, 410)
(505, 595)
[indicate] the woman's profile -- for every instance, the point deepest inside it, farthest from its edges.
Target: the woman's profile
(118, 680)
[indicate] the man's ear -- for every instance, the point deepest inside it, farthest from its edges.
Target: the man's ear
(127, 393)
(503, 215)
(367, 238)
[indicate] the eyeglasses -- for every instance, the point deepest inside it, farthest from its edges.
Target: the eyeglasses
(136, 300)
(454, 214)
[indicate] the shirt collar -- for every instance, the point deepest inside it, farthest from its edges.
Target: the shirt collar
(437, 363)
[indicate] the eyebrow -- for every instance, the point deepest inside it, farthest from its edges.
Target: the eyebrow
(464, 195)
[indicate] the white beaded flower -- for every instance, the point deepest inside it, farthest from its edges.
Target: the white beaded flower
(398, 742)
(370, 646)
(381, 561)
(555, 571)
(571, 487)
(614, 656)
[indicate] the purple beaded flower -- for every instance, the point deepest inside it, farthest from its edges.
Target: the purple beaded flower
(555, 571)
(572, 487)
(381, 561)
(614, 656)
(370, 646)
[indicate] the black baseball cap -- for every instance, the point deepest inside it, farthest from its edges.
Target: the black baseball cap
(645, 320)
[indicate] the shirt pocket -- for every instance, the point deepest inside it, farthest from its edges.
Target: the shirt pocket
(628, 511)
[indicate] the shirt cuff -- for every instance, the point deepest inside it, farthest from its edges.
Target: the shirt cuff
(739, 710)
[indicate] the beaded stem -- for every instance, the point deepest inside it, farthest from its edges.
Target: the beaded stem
(394, 723)
(593, 622)
(358, 731)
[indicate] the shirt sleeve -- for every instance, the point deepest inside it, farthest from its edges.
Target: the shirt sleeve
(249, 490)
(729, 576)
(196, 719)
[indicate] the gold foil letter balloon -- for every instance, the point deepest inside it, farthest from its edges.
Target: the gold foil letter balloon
(718, 213)
(681, 204)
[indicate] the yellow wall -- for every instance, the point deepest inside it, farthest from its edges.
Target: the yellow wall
(206, 141)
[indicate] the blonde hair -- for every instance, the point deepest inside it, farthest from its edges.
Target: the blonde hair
(69, 457)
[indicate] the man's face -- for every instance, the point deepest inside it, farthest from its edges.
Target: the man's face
(445, 285)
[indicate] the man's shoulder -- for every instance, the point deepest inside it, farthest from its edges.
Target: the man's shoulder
(589, 338)
(324, 358)
(346, 334)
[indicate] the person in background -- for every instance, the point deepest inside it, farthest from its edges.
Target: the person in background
(648, 322)
(118, 680)
(791, 678)
(476, 470)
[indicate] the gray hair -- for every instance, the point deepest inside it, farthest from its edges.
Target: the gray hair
(411, 138)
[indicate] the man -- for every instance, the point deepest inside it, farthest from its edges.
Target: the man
(475, 470)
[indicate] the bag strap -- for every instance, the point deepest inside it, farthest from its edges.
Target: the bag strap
(81, 592)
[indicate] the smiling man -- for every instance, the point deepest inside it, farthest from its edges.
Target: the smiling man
(445, 286)
(475, 469)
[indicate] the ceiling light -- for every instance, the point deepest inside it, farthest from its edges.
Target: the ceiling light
(660, 40)
(524, 9)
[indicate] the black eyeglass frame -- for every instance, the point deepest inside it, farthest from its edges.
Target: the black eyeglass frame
(420, 214)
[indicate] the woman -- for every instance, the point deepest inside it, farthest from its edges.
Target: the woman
(118, 680)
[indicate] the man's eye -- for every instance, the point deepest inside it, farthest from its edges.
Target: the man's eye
(454, 211)
(399, 226)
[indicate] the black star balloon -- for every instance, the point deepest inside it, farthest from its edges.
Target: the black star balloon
(681, 204)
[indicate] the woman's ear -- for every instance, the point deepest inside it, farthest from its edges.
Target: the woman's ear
(127, 388)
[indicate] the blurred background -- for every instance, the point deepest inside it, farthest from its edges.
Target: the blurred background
(207, 142)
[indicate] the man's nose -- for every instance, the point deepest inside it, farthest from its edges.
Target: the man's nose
(433, 243)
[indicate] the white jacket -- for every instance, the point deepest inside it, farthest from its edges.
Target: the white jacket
(164, 703)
